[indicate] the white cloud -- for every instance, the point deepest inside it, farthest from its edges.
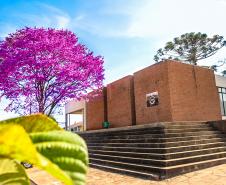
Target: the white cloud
(55, 16)
(49, 16)
(62, 21)
(156, 21)
(159, 19)
(169, 18)
(127, 68)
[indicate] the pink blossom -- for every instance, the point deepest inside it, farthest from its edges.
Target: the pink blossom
(42, 68)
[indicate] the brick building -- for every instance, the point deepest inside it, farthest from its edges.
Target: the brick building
(168, 91)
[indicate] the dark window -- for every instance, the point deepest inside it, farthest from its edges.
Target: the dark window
(222, 95)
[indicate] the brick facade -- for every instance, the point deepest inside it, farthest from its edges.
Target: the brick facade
(120, 100)
(151, 79)
(193, 93)
(95, 112)
(185, 92)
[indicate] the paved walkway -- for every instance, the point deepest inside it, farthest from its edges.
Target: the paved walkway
(41, 177)
(210, 176)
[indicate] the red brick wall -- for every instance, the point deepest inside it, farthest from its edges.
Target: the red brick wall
(150, 79)
(119, 102)
(186, 93)
(95, 113)
(193, 93)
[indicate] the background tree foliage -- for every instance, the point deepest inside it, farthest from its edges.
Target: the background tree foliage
(218, 66)
(190, 47)
(42, 68)
(223, 72)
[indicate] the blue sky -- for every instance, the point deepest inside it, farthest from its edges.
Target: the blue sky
(126, 32)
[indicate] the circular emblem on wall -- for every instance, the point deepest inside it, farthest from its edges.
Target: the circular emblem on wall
(152, 99)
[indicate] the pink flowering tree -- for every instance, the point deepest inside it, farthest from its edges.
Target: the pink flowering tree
(42, 68)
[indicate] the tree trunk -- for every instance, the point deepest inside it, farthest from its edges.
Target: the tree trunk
(41, 108)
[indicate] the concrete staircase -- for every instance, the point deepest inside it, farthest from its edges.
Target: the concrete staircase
(156, 151)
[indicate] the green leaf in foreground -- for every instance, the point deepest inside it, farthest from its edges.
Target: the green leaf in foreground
(65, 149)
(15, 143)
(12, 173)
(34, 123)
(63, 154)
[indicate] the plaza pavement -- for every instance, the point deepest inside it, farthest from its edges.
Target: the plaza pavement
(210, 176)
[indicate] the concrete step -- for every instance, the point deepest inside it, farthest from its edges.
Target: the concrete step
(186, 126)
(151, 126)
(185, 168)
(182, 130)
(150, 131)
(156, 140)
(150, 176)
(162, 172)
(157, 145)
(135, 167)
(166, 135)
(159, 150)
(113, 132)
(160, 156)
(148, 127)
(186, 123)
(160, 163)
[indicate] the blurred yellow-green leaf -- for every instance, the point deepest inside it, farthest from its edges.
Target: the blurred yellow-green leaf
(65, 149)
(12, 173)
(62, 154)
(15, 143)
(34, 123)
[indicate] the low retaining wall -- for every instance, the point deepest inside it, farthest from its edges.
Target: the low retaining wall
(219, 125)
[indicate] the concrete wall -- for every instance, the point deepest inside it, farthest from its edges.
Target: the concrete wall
(95, 111)
(120, 102)
(73, 106)
(220, 81)
(150, 79)
(219, 125)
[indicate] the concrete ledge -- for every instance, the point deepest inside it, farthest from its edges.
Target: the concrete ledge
(219, 125)
(150, 125)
